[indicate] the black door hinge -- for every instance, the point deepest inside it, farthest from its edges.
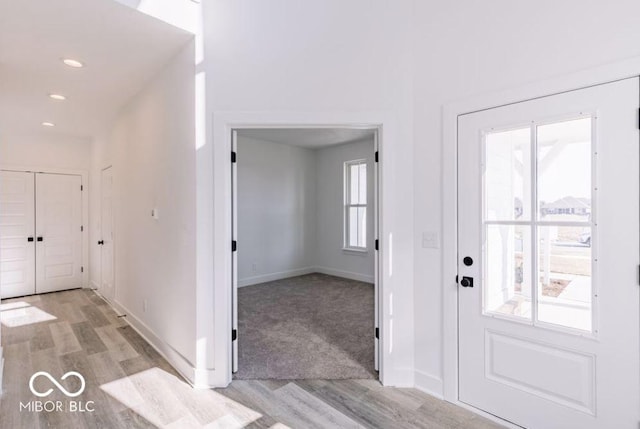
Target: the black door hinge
(234, 245)
(456, 279)
(234, 334)
(377, 333)
(377, 244)
(638, 118)
(81, 228)
(377, 156)
(234, 156)
(82, 269)
(639, 274)
(81, 188)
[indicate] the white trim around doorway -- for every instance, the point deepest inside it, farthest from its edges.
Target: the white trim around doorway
(219, 249)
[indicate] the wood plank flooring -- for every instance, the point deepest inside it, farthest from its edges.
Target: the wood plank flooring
(132, 386)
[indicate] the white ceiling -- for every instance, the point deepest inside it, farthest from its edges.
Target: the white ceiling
(122, 49)
(312, 138)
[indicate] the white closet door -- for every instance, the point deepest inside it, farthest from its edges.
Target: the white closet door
(17, 248)
(58, 233)
(106, 254)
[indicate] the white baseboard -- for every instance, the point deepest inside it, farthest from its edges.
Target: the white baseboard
(429, 384)
(93, 285)
(179, 362)
(398, 377)
(345, 274)
(275, 276)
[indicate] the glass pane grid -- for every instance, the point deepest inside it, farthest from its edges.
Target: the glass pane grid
(558, 183)
(355, 206)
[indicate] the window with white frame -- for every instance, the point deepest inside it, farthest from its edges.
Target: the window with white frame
(355, 205)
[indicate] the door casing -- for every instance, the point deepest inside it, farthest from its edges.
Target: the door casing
(377, 215)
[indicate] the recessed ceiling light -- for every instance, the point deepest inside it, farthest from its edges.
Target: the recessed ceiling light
(48, 124)
(72, 63)
(59, 97)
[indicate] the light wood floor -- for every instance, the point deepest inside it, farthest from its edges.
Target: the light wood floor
(132, 386)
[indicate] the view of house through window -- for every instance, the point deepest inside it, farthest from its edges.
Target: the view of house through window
(355, 206)
(538, 223)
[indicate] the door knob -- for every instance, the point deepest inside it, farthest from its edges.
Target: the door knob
(466, 282)
(40, 239)
(101, 242)
(29, 239)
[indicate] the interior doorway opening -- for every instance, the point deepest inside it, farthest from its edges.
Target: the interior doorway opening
(305, 252)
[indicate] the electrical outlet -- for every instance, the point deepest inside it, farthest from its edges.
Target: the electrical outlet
(144, 306)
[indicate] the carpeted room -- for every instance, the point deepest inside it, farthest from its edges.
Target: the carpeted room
(305, 253)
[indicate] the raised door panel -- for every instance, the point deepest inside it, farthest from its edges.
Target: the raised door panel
(17, 253)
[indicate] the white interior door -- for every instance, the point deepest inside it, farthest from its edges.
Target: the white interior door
(58, 232)
(549, 249)
(107, 241)
(376, 263)
(234, 253)
(17, 237)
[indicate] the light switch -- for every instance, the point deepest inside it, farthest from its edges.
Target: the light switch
(155, 214)
(431, 240)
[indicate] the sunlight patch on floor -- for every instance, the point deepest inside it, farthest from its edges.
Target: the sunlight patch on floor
(166, 401)
(20, 313)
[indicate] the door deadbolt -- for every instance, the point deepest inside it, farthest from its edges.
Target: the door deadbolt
(468, 261)
(466, 282)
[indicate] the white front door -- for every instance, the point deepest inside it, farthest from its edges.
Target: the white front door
(58, 232)
(548, 200)
(17, 237)
(106, 242)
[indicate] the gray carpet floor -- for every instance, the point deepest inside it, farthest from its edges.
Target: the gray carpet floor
(309, 327)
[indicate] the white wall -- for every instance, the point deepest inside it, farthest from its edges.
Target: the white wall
(276, 210)
(314, 62)
(330, 256)
(468, 48)
(291, 209)
(152, 149)
(46, 151)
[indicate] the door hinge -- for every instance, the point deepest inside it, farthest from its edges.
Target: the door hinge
(82, 269)
(638, 118)
(82, 228)
(234, 245)
(234, 157)
(456, 279)
(638, 274)
(377, 156)
(81, 188)
(377, 244)
(234, 334)
(377, 333)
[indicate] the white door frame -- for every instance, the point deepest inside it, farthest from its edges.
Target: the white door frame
(376, 226)
(595, 76)
(85, 205)
(221, 319)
